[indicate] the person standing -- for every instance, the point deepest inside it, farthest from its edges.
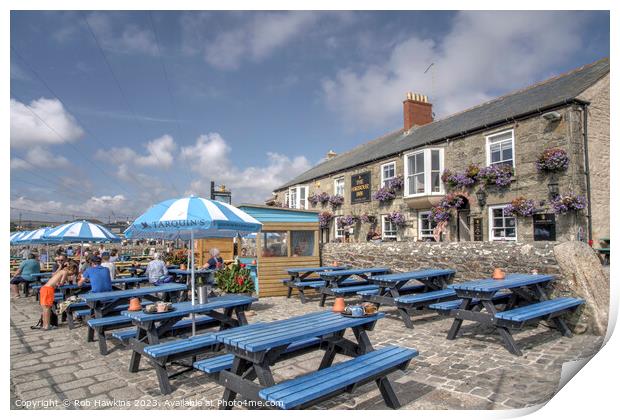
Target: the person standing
(59, 263)
(46, 294)
(97, 276)
(24, 273)
(105, 257)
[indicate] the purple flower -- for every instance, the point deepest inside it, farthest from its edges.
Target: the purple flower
(366, 218)
(520, 207)
(496, 175)
(564, 203)
(324, 219)
(384, 194)
(463, 179)
(440, 214)
(397, 218)
(553, 160)
(336, 200)
(396, 184)
(346, 221)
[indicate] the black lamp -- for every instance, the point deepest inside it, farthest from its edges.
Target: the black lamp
(481, 196)
(554, 189)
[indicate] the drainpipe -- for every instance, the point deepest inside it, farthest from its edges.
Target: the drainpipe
(584, 107)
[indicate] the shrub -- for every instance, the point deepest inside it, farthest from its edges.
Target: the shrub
(235, 278)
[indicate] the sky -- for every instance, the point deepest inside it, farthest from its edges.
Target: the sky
(112, 112)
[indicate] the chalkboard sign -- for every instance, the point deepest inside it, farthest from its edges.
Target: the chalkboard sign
(478, 236)
(360, 188)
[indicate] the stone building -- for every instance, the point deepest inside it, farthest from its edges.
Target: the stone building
(502, 138)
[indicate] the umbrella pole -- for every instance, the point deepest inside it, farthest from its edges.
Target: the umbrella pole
(193, 284)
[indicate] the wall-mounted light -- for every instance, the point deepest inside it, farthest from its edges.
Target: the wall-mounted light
(552, 116)
(481, 196)
(554, 190)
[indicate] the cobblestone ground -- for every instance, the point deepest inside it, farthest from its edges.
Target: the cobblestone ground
(472, 372)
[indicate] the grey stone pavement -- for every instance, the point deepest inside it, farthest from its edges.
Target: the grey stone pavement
(472, 372)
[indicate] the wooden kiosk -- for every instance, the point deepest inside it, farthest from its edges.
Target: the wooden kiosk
(289, 238)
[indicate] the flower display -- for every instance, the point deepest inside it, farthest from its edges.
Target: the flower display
(323, 198)
(313, 199)
(440, 214)
(553, 160)
(463, 179)
(235, 278)
(396, 184)
(336, 200)
(345, 221)
(520, 207)
(496, 175)
(366, 218)
(384, 194)
(397, 218)
(324, 219)
(564, 203)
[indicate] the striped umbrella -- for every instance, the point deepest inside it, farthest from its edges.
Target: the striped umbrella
(17, 236)
(83, 231)
(37, 237)
(189, 218)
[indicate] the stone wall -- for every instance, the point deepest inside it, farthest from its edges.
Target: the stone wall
(475, 260)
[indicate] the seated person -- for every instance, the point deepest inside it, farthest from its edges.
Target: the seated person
(215, 261)
(97, 276)
(46, 294)
(24, 273)
(155, 269)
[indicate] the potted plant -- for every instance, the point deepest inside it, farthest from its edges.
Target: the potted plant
(235, 278)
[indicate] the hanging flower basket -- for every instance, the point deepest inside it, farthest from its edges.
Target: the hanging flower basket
(324, 219)
(396, 184)
(366, 218)
(313, 199)
(553, 160)
(520, 207)
(336, 200)
(397, 218)
(464, 179)
(565, 203)
(346, 221)
(384, 194)
(440, 214)
(496, 175)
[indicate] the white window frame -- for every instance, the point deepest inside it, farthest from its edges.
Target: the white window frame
(337, 229)
(383, 179)
(336, 182)
(383, 235)
(286, 201)
(295, 192)
(420, 234)
(427, 172)
(489, 141)
(492, 236)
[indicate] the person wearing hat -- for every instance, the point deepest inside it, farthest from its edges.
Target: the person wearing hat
(97, 276)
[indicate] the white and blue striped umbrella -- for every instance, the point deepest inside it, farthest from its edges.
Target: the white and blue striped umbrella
(83, 231)
(37, 237)
(17, 236)
(192, 217)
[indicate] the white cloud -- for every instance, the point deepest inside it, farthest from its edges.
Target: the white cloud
(95, 206)
(39, 157)
(255, 38)
(119, 37)
(43, 121)
(483, 53)
(157, 153)
(210, 158)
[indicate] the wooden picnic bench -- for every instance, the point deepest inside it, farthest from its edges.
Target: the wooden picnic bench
(256, 348)
(337, 283)
(223, 311)
(409, 291)
(527, 304)
(300, 279)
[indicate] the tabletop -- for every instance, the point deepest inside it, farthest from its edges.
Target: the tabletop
(354, 271)
(299, 270)
(188, 272)
(186, 308)
(411, 275)
(511, 281)
(143, 291)
(264, 336)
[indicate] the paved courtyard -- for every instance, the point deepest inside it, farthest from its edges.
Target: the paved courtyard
(58, 369)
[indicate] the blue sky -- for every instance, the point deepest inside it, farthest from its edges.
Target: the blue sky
(114, 111)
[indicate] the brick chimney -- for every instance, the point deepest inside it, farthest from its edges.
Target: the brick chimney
(417, 110)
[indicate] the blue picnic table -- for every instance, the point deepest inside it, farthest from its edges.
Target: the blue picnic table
(223, 311)
(299, 279)
(524, 300)
(409, 291)
(256, 348)
(338, 283)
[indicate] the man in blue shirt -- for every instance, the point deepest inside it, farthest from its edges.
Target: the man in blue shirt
(97, 276)
(24, 274)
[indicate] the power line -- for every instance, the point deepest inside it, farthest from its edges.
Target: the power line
(120, 88)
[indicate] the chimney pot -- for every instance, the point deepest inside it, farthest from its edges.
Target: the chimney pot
(331, 154)
(417, 110)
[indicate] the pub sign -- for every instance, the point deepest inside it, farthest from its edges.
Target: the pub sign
(360, 188)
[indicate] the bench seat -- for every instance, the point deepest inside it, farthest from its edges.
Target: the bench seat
(225, 361)
(321, 384)
(351, 290)
(545, 309)
(125, 335)
(448, 305)
(180, 346)
(424, 298)
(312, 284)
(407, 289)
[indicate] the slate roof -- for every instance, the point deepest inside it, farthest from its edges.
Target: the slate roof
(552, 92)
